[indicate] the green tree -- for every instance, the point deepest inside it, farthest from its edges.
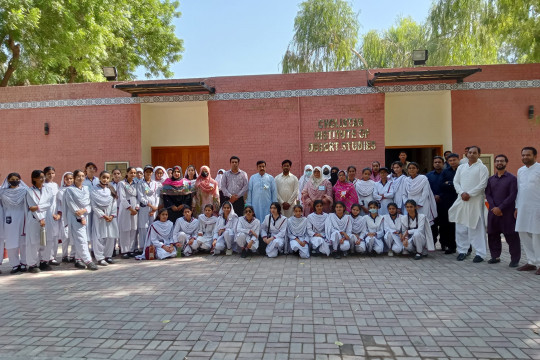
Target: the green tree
(393, 48)
(325, 32)
(63, 41)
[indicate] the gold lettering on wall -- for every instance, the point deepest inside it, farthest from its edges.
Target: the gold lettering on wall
(349, 129)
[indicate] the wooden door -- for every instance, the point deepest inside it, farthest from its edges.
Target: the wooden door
(169, 156)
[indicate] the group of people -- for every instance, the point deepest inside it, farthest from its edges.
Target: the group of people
(158, 213)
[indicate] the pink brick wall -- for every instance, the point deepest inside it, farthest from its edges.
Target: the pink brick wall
(270, 130)
(77, 135)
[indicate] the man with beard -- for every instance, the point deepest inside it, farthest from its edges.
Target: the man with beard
(527, 211)
(501, 192)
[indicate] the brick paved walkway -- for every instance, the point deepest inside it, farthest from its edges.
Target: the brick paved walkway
(285, 308)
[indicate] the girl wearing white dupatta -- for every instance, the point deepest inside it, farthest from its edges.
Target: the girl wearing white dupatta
(148, 198)
(39, 200)
(56, 212)
(365, 187)
(247, 232)
(77, 205)
(160, 235)
(104, 210)
(392, 230)
(417, 188)
(338, 228)
(67, 255)
(207, 224)
(297, 231)
(160, 174)
(398, 183)
(224, 229)
(185, 231)
(316, 230)
(384, 191)
(12, 197)
(128, 208)
(416, 232)
(374, 229)
(274, 231)
(308, 171)
(359, 230)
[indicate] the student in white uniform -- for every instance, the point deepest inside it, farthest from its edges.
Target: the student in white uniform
(224, 229)
(160, 174)
(207, 223)
(384, 191)
(398, 183)
(140, 175)
(104, 210)
(148, 198)
(297, 231)
(39, 200)
(160, 235)
(358, 230)
(68, 255)
(308, 171)
(128, 209)
(13, 201)
(338, 229)
(316, 230)
(185, 231)
(274, 231)
(116, 178)
(77, 205)
(416, 232)
(417, 188)
(50, 174)
(365, 187)
(91, 180)
(374, 229)
(392, 230)
(248, 228)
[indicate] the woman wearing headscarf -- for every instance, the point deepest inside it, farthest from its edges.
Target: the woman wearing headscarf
(50, 173)
(104, 211)
(128, 209)
(77, 205)
(67, 254)
(417, 188)
(297, 233)
(12, 197)
(334, 175)
(176, 193)
(317, 188)
(326, 169)
(365, 188)
(345, 191)
(160, 174)
(308, 172)
(206, 191)
(219, 176)
(225, 228)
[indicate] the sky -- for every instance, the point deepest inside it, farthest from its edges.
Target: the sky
(249, 37)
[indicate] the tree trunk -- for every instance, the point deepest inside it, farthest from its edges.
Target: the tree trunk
(72, 74)
(12, 65)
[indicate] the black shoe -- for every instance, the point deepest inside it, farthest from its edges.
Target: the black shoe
(15, 270)
(450, 251)
(345, 253)
(243, 253)
(80, 265)
(461, 257)
(514, 264)
(137, 252)
(125, 256)
(23, 268)
(65, 259)
(71, 260)
(478, 259)
(34, 269)
(114, 253)
(54, 263)
(44, 266)
(337, 254)
(417, 256)
(493, 260)
(109, 260)
(131, 254)
(91, 266)
(469, 251)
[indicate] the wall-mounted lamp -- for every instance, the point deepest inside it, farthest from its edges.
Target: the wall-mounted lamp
(110, 73)
(531, 112)
(46, 128)
(419, 57)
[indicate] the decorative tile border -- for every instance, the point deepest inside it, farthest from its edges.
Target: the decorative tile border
(278, 94)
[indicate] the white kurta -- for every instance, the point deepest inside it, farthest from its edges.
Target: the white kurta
(333, 228)
(470, 179)
(287, 191)
(101, 228)
(528, 199)
(422, 230)
(147, 194)
(365, 190)
(14, 205)
(243, 228)
(44, 200)
(127, 197)
(77, 231)
(386, 190)
(278, 230)
(419, 190)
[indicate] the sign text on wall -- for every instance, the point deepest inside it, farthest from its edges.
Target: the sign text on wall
(341, 135)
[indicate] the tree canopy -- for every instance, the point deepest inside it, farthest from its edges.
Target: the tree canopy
(456, 32)
(62, 41)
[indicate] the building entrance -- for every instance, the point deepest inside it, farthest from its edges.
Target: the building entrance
(169, 156)
(423, 155)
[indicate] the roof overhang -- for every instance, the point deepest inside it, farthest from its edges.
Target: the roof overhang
(421, 75)
(165, 88)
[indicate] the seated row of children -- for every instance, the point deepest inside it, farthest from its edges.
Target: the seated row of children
(336, 234)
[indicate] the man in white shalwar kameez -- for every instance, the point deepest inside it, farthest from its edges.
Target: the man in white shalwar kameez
(528, 208)
(287, 188)
(468, 210)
